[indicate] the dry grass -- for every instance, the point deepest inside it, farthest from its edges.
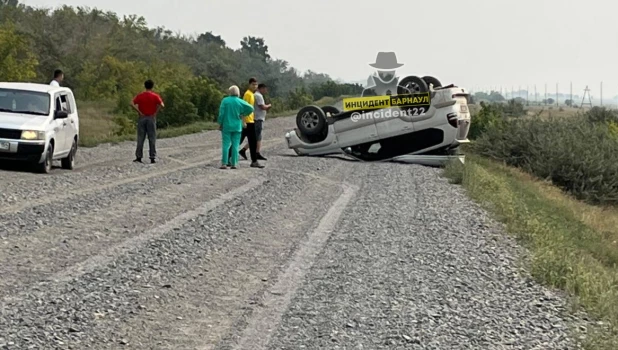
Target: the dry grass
(96, 122)
(543, 111)
(97, 126)
(573, 245)
(603, 220)
(553, 111)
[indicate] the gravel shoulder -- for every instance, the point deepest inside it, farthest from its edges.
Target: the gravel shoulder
(307, 253)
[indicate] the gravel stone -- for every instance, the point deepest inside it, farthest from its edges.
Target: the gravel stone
(411, 264)
(426, 268)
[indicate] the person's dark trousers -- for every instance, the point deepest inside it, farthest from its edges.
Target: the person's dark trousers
(252, 141)
(249, 132)
(243, 135)
(146, 126)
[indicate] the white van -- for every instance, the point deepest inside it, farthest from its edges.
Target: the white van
(38, 124)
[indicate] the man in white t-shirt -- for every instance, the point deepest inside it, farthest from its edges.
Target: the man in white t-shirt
(58, 76)
(259, 115)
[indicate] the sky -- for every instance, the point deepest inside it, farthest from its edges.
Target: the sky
(477, 44)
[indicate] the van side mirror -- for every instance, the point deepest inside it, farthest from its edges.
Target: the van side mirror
(61, 115)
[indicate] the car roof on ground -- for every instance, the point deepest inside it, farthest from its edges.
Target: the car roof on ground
(31, 87)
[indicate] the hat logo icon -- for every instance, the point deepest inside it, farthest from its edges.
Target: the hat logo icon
(386, 61)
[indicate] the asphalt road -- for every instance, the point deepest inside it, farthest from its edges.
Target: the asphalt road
(307, 253)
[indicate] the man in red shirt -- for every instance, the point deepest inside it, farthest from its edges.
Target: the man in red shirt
(147, 104)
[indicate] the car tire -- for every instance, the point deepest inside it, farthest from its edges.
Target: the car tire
(330, 109)
(46, 166)
(432, 81)
(68, 163)
(413, 83)
(311, 120)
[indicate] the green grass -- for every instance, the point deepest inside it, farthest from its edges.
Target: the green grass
(574, 246)
(97, 124)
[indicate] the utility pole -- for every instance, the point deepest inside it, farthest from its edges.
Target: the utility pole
(586, 92)
(545, 94)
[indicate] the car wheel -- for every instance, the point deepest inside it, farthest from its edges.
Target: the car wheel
(432, 81)
(46, 166)
(311, 120)
(69, 162)
(330, 109)
(412, 84)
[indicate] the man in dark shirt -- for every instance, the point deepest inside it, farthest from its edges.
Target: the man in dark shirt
(147, 104)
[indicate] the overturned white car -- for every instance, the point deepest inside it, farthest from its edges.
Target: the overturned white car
(419, 125)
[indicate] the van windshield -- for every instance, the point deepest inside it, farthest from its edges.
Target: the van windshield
(24, 102)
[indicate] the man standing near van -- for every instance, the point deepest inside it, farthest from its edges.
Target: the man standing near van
(147, 104)
(58, 76)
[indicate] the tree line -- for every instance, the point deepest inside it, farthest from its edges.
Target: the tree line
(108, 57)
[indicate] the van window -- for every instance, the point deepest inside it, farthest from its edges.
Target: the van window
(64, 102)
(58, 104)
(24, 102)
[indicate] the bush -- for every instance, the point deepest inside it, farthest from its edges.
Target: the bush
(489, 116)
(179, 110)
(514, 108)
(187, 101)
(601, 115)
(493, 113)
(299, 98)
(125, 125)
(332, 89)
(279, 105)
(205, 96)
(613, 129)
(577, 154)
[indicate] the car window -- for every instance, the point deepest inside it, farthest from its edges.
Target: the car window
(58, 104)
(24, 102)
(65, 103)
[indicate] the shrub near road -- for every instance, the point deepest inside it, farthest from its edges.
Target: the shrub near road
(554, 183)
(578, 154)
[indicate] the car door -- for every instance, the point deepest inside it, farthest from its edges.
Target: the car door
(355, 128)
(60, 128)
(393, 122)
(68, 102)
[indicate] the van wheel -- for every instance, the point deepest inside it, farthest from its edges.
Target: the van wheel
(69, 162)
(46, 166)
